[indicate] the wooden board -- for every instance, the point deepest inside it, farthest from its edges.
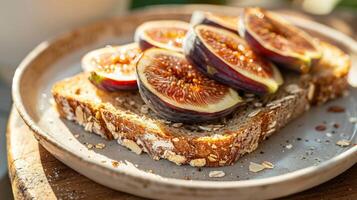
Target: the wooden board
(36, 174)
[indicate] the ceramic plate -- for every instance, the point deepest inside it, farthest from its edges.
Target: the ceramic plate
(303, 157)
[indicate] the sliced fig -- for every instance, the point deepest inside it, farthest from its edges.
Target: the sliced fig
(113, 68)
(333, 59)
(229, 22)
(178, 92)
(227, 58)
(166, 34)
(277, 39)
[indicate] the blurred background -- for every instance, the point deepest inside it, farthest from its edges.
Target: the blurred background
(25, 23)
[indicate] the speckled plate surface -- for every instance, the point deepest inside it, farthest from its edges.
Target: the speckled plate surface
(303, 157)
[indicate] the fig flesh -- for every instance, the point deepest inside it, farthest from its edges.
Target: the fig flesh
(277, 39)
(112, 68)
(229, 22)
(166, 34)
(178, 92)
(227, 58)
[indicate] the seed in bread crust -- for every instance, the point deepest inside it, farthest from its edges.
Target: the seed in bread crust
(213, 155)
(144, 109)
(272, 125)
(311, 91)
(130, 144)
(258, 104)
(271, 131)
(155, 157)
(80, 115)
(88, 127)
(97, 115)
(96, 126)
(173, 157)
(111, 127)
(212, 158)
(115, 135)
(211, 127)
(177, 125)
(158, 144)
(289, 97)
(254, 113)
(274, 104)
(205, 128)
(222, 162)
(199, 162)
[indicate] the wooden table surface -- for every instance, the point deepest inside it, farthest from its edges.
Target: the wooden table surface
(36, 174)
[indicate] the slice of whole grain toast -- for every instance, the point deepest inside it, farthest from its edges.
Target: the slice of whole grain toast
(123, 116)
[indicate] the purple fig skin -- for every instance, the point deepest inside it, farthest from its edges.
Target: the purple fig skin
(111, 85)
(202, 58)
(294, 63)
(143, 44)
(175, 114)
(290, 62)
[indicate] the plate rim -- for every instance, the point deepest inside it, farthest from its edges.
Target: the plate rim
(43, 136)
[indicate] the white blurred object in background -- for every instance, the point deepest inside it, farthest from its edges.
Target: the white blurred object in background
(319, 7)
(25, 23)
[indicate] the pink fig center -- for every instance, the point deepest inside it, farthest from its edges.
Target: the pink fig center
(280, 36)
(119, 61)
(175, 78)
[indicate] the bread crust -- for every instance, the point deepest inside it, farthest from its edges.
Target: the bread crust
(98, 112)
